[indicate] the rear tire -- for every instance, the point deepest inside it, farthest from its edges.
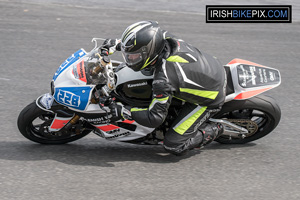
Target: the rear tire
(262, 110)
(38, 132)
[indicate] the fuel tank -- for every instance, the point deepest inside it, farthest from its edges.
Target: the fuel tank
(133, 88)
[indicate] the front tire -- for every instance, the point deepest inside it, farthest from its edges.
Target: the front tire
(261, 110)
(33, 124)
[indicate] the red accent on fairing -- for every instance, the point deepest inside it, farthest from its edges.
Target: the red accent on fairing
(108, 127)
(128, 121)
(248, 94)
(81, 71)
(237, 60)
(58, 123)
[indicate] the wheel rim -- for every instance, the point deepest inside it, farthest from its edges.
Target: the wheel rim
(254, 121)
(39, 127)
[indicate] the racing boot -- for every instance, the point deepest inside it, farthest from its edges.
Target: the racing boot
(207, 133)
(189, 144)
(211, 131)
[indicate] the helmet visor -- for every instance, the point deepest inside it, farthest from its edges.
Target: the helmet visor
(132, 58)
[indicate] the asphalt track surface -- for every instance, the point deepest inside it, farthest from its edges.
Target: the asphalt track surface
(37, 37)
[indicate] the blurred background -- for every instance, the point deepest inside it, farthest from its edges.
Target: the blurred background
(37, 36)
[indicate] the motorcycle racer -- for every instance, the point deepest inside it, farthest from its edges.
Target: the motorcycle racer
(180, 71)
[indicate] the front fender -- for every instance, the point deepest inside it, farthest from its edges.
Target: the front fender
(47, 103)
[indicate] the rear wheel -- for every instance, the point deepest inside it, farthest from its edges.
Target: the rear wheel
(259, 115)
(33, 123)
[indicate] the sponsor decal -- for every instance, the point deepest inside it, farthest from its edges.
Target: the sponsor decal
(137, 84)
(265, 76)
(72, 59)
(113, 131)
(81, 71)
(245, 76)
(253, 76)
(47, 101)
(118, 135)
(261, 77)
(272, 76)
(100, 120)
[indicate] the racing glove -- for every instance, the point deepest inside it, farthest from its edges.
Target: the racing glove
(111, 45)
(120, 111)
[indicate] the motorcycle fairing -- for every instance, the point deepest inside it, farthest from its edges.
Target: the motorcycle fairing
(133, 88)
(76, 97)
(118, 133)
(255, 76)
(46, 100)
(58, 123)
(69, 61)
(250, 79)
(79, 71)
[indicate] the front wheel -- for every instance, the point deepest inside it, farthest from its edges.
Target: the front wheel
(33, 123)
(259, 115)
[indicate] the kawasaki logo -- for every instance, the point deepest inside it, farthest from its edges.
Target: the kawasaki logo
(136, 84)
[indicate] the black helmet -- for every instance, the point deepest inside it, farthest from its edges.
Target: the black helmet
(141, 44)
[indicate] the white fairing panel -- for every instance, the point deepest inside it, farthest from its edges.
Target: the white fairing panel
(71, 89)
(126, 74)
(117, 133)
(250, 79)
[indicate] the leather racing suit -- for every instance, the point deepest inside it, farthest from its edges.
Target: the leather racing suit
(192, 76)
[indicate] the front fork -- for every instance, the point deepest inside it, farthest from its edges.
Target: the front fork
(65, 124)
(63, 120)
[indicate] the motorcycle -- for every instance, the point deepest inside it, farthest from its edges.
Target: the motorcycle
(85, 86)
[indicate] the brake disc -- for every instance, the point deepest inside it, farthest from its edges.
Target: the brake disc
(248, 124)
